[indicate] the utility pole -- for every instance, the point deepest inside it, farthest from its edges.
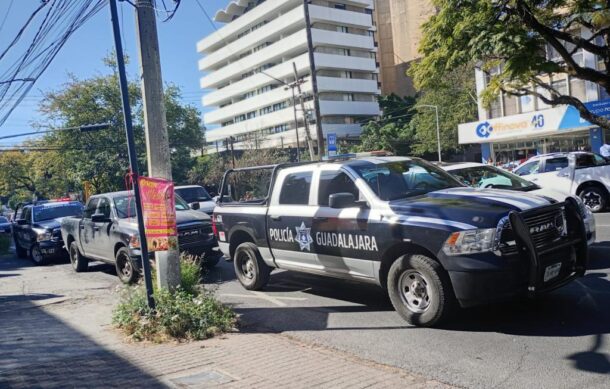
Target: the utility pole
(305, 121)
(232, 151)
(131, 149)
(155, 124)
(314, 82)
(296, 122)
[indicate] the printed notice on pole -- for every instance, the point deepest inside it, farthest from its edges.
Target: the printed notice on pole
(159, 211)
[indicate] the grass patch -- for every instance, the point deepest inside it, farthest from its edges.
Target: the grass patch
(5, 243)
(190, 312)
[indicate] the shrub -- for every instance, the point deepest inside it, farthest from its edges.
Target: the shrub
(5, 243)
(190, 312)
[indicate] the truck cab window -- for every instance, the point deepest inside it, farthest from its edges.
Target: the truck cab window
(295, 190)
(335, 182)
(528, 168)
(91, 207)
(27, 214)
(104, 207)
(555, 164)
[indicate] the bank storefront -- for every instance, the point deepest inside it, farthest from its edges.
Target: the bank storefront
(518, 137)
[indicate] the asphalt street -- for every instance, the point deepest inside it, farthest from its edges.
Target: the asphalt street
(560, 340)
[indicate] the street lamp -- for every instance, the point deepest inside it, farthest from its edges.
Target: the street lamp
(438, 132)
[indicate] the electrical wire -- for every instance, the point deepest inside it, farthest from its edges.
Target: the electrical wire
(8, 10)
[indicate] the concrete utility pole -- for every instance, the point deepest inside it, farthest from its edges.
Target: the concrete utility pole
(305, 121)
(314, 82)
(155, 124)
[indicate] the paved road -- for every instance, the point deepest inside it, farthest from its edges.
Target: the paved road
(559, 341)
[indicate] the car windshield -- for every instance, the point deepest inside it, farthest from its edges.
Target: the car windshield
(194, 194)
(3, 219)
(402, 179)
(126, 207)
(492, 177)
(52, 211)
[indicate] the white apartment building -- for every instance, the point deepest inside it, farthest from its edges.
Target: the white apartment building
(248, 62)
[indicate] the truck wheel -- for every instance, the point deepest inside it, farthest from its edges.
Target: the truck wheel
(420, 290)
(252, 272)
(20, 251)
(79, 263)
(594, 198)
(37, 257)
(124, 267)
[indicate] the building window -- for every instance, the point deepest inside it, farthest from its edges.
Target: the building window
(561, 86)
(511, 105)
(577, 89)
(527, 103)
(340, 6)
(495, 108)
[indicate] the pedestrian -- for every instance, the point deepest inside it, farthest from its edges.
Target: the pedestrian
(605, 150)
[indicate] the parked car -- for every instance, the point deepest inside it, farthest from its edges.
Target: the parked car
(195, 194)
(400, 223)
(36, 229)
(584, 174)
(5, 225)
(478, 175)
(108, 232)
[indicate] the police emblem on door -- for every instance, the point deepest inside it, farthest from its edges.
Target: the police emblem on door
(304, 237)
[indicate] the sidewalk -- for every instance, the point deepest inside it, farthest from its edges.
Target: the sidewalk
(55, 331)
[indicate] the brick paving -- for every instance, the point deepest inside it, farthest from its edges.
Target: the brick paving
(57, 334)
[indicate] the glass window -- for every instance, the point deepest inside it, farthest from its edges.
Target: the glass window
(402, 179)
(103, 207)
(91, 207)
(27, 214)
(577, 89)
(529, 168)
(561, 86)
(491, 177)
(527, 103)
(511, 106)
(295, 189)
(194, 194)
(555, 164)
(56, 210)
(335, 182)
(126, 206)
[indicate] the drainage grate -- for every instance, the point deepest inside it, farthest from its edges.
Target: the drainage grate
(202, 379)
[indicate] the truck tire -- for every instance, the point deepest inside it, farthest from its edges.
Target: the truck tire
(252, 272)
(420, 290)
(124, 267)
(594, 198)
(20, 251)
(79, 263)
(37, 257)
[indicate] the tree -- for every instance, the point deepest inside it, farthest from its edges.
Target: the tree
(511, 40)
(101, 157)
(391, 132)
(455, 97)
(16, 174)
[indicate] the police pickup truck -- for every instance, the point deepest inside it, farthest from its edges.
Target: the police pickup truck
(400, 223)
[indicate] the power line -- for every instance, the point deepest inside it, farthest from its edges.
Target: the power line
(8, 10)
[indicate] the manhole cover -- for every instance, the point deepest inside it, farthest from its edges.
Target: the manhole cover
(202, 379)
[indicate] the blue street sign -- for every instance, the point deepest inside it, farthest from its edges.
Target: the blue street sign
(331, 144)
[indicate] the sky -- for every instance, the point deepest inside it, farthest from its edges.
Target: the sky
(83, 53)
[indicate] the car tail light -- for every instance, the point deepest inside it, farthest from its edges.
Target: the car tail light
(214, 229)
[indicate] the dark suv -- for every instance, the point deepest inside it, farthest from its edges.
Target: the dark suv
(36, 229)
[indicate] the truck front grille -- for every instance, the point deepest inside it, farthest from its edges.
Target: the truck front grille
(546, 229)
(194, 234)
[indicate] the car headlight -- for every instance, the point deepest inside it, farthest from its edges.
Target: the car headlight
(42, 235)
(470, 242)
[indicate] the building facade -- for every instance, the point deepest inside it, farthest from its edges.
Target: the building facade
(249, 62)
(399, 32)
(516, 128)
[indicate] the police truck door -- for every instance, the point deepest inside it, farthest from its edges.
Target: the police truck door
(289, 219)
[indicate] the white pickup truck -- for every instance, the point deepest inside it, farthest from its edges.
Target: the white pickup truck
(580, 173)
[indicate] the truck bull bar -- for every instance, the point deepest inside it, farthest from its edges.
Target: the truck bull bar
(576, 237)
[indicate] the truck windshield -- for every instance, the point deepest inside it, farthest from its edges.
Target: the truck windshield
(52, 211)
(3, 219)
(126, 207)
(194, 194)
(402, 179)
(492, 177)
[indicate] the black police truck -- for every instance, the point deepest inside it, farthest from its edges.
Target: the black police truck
(403, 224)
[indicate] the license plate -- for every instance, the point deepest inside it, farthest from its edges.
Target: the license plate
(552, 271)
(48, 251)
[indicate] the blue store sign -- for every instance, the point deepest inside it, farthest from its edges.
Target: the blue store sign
(331, 140)
(571, 118)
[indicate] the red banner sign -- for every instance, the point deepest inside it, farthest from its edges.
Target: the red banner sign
(159, 211)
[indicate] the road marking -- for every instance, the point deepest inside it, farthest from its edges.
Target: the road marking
(266, 297)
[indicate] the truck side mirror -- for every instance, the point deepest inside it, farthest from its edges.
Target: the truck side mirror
(341, 200)
(99, 218)
(21, 222)
(195, 206)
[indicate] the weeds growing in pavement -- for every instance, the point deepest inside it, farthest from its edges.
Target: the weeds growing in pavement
(190, 312)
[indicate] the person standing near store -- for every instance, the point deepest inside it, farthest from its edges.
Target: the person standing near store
(605, 150)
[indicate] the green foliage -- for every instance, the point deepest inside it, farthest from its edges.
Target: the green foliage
(515, 35)
(455, 97)
(191, 312)
(391, 132)
(5, 243)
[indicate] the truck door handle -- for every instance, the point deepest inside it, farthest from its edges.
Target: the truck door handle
(320, 218)
(276, 217)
